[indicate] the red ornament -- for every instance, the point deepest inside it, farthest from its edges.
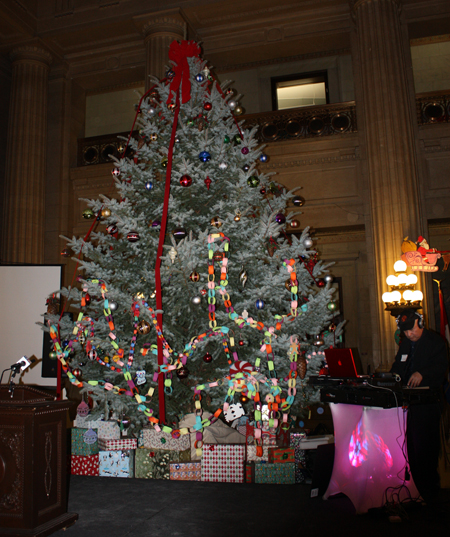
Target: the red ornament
(194, 276)
(240, 367)
(241, 343)
(207, 358)
(320, 282)
(186, 180)
(208, 182)
(207, 106)
(324, 371)
(77, 373)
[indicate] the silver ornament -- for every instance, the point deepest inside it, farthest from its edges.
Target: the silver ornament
(196, 300)
(328, 278)
(223, 165)
(308, 243)
(232, 104)
(172, 254)
(112, 305)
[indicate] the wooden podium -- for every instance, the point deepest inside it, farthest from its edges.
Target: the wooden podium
(33, 463)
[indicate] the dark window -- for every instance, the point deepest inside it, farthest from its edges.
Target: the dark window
(295, 91)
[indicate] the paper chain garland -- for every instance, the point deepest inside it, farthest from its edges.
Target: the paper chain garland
(240, 379)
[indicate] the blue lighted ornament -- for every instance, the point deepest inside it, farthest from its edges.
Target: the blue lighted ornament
(204, 156)
(199, 78)
(259, 304)
(148, 185)
(263, 158)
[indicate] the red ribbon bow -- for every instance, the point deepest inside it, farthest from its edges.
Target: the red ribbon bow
(178, 54)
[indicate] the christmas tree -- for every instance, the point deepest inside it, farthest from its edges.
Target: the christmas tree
(191, 295)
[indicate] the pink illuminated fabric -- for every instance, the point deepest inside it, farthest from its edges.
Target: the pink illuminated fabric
(368, 457)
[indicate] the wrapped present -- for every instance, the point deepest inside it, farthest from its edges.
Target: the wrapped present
(114, 445)
(84, 465)
(249, 472)
(155, 463)
(118, 463)
(269, 437)
(252, 454)
(283, 437)
(153, 439)
(223, 462)
(249, 433)
(108, 430)
(186, 471)
(86, 422)
(84, 441)
(281, 455)
(276, 473)
(295, 439)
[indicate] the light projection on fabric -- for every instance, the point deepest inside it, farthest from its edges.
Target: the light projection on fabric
(363, 444)
(369, 460)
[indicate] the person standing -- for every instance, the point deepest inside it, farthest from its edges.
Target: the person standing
(422, 361)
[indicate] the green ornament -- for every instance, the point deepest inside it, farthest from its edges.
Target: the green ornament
(88, 214)
(164, 162)
(237, 139)
(226, 139)
(253, 181)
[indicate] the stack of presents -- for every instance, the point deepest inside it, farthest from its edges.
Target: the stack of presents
(229, 454)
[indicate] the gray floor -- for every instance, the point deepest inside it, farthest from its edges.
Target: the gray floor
(119, 507)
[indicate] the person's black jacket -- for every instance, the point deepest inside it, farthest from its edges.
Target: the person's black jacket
(430, 359)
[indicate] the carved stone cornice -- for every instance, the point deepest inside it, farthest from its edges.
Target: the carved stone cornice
(27, 53)
(163, 25)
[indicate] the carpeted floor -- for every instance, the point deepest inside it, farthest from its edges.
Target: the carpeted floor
(119, 507)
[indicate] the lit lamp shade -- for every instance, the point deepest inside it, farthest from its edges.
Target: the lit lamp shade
(417, 296)
(386, 298)
(408, 295)
(396, 296)
(412, 279)
(391, 280)
(399, 266)
(402, 279)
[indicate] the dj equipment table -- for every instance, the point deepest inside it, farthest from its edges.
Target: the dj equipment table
(370, 448)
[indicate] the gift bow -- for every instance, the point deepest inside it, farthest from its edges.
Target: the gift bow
(178, 54)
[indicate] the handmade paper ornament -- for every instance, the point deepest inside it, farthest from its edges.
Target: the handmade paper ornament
(83, 409)
(143, 327)
(186, 180)
(133, 236)
(240, 366)
(90, 437)
(233, 412)
(140, 377)
(203, 292)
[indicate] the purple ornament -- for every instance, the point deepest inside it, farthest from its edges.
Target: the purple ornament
(245, 150)
(280, 218)
(156, 223)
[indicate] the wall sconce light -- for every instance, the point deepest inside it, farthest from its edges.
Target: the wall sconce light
(402, 292)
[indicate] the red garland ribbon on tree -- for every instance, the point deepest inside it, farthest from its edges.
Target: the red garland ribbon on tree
(178, 54)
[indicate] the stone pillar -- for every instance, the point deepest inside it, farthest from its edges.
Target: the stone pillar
(387, 122)
(159, 32)
(24, 206)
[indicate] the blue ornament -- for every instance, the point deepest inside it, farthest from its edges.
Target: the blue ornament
(263, 158)
(199, 78)
(148, 185)
(204, 156)
(259, 304)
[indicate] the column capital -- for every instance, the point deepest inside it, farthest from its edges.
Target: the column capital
(169, 23)
(31, 53)
(356, 4)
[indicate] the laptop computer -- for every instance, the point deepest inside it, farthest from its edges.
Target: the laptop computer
(341, 363)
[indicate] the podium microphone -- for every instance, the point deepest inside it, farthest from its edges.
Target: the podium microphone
(22, 364)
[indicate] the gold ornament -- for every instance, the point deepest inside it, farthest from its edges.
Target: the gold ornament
(294, 224)
(143, 327)
(216, 222)
(106, 212)
(237, 218)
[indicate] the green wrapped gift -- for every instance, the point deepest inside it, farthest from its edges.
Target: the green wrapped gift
(277, 473)
(155, 463)
(84, 441)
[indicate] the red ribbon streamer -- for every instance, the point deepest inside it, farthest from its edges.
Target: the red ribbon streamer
(178, 54)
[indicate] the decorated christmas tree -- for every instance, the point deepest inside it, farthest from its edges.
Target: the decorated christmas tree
(191, 295)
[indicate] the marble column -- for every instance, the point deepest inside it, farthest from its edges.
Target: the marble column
(24, 205)
(159, 32)
(387, 127)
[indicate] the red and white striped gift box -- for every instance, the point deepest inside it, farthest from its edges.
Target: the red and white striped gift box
(223, 463)
(106, 444)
